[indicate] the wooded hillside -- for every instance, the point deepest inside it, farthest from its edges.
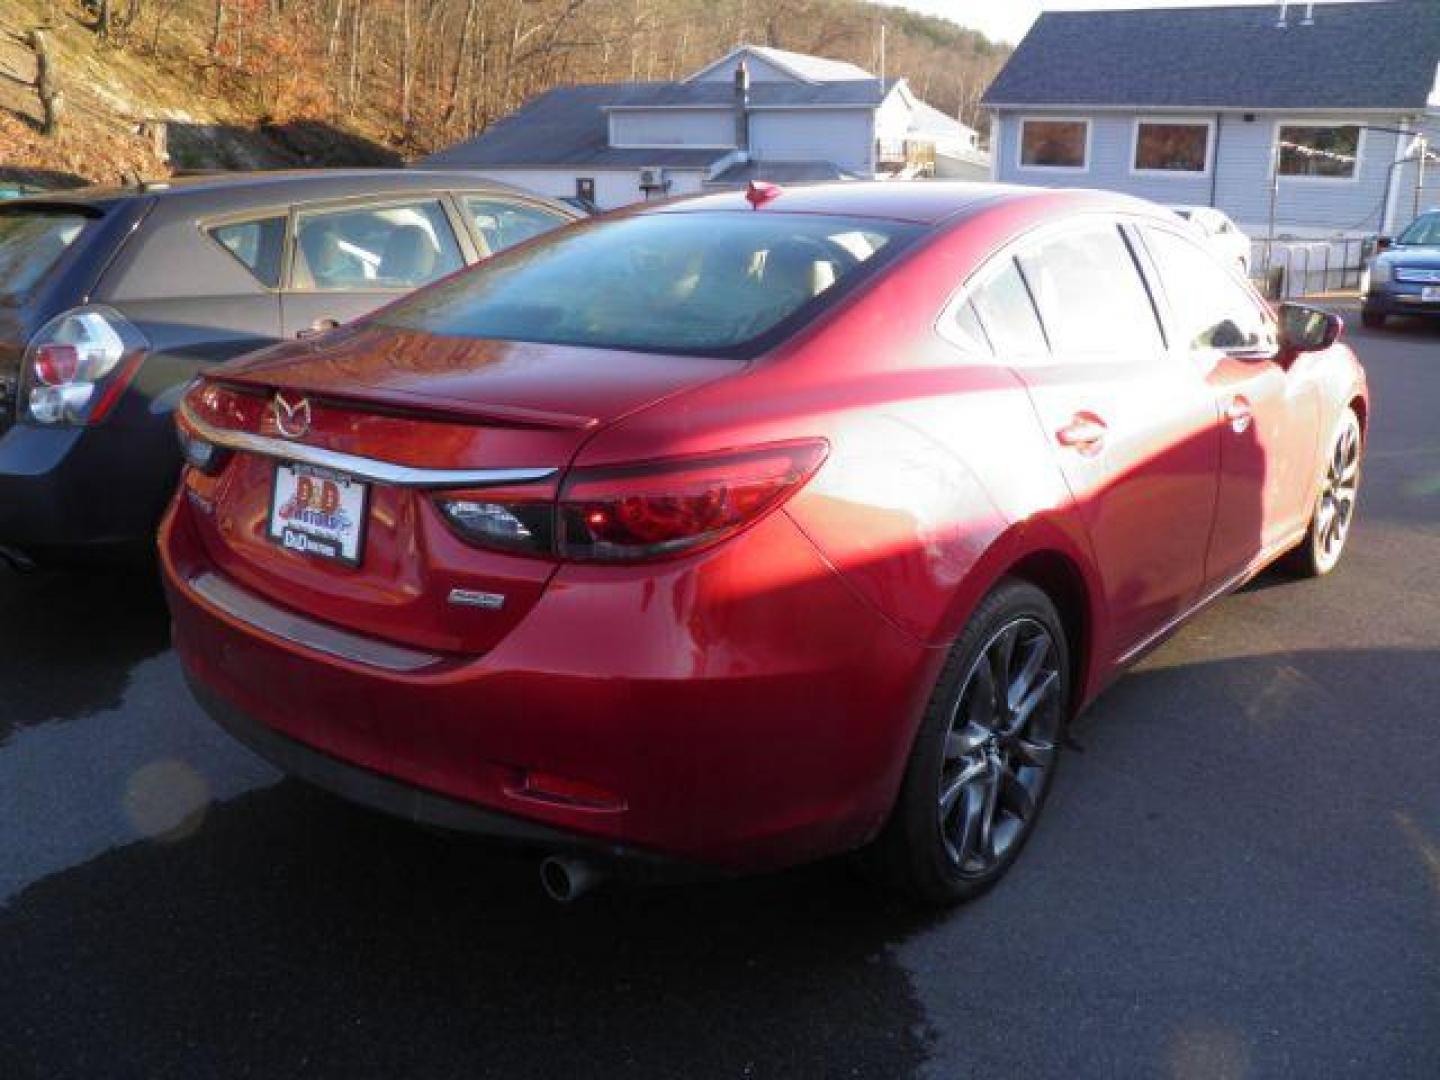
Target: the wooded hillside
(414, 75)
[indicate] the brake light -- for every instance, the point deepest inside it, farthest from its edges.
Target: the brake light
(637, 513)
(78, 365)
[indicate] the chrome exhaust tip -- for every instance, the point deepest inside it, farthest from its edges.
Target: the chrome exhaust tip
(566, 879)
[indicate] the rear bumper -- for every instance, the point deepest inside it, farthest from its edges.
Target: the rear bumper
(767, 728)
(382, 793)
(67, 487)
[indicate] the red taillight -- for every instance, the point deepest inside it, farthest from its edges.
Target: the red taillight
(56, 365)
(666, 508)
(635, 513)
(78, 365)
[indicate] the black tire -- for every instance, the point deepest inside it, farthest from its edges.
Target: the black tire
(1338, 492)
(917, 850)
(1372, 320)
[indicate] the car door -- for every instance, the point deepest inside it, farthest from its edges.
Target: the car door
(1269, 422)
(1132, 431)
(350, 258)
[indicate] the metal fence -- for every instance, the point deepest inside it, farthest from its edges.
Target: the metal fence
(1285, 267)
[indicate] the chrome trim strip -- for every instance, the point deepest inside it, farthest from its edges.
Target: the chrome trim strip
(253, 611)
(362, 468)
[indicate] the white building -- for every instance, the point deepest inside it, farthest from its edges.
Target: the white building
(754, 114)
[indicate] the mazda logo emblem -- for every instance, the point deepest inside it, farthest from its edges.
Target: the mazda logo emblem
(292, 418)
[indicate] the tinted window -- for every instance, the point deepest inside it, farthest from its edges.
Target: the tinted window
(257, 244)
(677, 282)
(396, 246)
(1004, 308)
(1213, 308)
(1090, 294)
(502, 224)
(1171, 147)
(31, 242)
(1319, 150)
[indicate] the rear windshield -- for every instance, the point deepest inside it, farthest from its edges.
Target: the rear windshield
(701, 282)
(31, 242)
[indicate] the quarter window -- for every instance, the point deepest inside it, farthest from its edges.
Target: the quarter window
(1054, 144)
(1005, 310)
(257, 244)
(1090, 295)
(502, 224)
(396, 246)
(1331, 152)
(1213, 309)
(1171, 147)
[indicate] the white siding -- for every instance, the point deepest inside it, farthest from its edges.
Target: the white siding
(673, 127)
(760, 71)
(843, 136)
(613, 187)
(1240, 162)
(892, 118)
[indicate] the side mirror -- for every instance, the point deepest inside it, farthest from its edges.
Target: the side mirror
(1384, 243)
(1307, 329)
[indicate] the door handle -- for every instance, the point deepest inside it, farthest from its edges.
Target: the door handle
(319, 326)
(1239, 415)
(1085, 433)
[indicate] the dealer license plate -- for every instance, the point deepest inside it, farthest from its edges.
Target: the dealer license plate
(318, 512)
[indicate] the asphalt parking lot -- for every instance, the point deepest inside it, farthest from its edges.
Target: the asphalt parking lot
(1239, 876)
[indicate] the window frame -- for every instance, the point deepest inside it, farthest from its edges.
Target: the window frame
(1173, 121)
(1165, 305)
(464, 240)
(1012, 249)
(461, 197)
(1282, 122)
(1071, 170)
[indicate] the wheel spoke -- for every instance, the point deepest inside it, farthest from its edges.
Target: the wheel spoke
(965, 838)
(990, 787)
(1000, 657)
(964, 741)
(951, 791)
(1015, 796)
(1034, 753)
(1025, 709)
(1020, 687)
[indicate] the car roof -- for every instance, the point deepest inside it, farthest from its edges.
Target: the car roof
(926, 202)
(220, 191)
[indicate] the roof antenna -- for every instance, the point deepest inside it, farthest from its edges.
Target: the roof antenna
(1309, 19)
(1281, 24)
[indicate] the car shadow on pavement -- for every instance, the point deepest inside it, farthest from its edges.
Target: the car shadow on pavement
(69, 640)
(288, 930)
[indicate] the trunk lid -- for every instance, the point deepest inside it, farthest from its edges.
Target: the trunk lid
(423, 403)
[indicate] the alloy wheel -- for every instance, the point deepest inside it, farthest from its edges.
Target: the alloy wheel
(1000, 747)
(1338, 490)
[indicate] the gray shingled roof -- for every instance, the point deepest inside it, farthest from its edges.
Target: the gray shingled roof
(1380, 54)
(568, 125)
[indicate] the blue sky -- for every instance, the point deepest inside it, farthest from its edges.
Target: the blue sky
(1007, 20)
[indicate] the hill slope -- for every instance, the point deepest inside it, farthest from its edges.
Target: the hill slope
(263, 83)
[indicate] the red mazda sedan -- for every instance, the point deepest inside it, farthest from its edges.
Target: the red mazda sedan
(749, 529)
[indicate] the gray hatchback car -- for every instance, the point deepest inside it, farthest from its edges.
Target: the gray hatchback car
(112, 299)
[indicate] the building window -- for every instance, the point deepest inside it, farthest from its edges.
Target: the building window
(1172, 146)
(1054, 144)
(1329, 151)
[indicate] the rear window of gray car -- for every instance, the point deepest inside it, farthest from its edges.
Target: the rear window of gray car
(31, 242)
(700, 282)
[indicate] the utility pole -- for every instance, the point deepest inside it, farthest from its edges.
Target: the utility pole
(1423, 152)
